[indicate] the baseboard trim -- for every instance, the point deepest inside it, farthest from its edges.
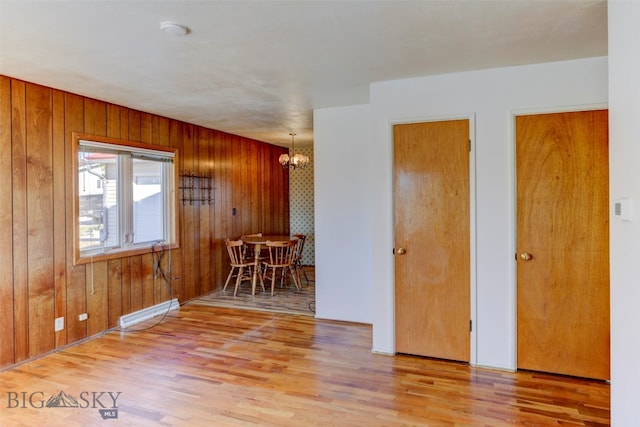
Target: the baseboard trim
(149, 312)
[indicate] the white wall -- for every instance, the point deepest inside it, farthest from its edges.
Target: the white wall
(624, 156)
(343, 195)
(492, 97)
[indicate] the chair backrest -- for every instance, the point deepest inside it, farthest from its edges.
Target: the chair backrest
(299, 245)
(235, 250)
(281, 253)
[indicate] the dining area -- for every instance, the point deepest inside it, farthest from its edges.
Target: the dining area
(270, 255)
(262, 247)
(266, 272)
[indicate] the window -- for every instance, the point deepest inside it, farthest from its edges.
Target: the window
(125, 197)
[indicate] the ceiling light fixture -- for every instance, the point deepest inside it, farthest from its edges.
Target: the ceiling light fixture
(297, 161)
(173, 29)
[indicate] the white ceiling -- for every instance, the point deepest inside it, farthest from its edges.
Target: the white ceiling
(259, 68)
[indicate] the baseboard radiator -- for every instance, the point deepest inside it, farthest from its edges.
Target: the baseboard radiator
(149, 312)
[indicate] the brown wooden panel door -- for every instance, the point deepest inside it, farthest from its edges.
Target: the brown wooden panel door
(563, 224)
(431, 209)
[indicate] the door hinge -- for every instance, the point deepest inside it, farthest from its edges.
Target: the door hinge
(469, 145)
(470, 325)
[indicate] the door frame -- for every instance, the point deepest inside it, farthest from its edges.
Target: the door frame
(513, 214)
(472, 220)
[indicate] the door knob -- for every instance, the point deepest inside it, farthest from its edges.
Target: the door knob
(401, 251)
(526, 256)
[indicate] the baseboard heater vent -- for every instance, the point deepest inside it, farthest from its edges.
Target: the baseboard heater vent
(149, 312)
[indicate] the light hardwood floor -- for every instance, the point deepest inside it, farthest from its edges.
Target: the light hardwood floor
(211, 366)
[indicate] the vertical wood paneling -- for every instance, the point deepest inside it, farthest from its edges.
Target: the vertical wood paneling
(143, 295)
(188, 218)
(36, 200)
(227, 198)
(146, 262)
(6, 227)
(40, 220)
(204, 284)
(113, 121)
(194, 212)
(131, 271)
(245, 184)
(219, 207)
(162, 286)
(76, 274)
(114, 281)
(236, 185)
(59, 215)
(135, 296)
(134, 126)
(276, 190)
(283, 215)
(95, 122)
(160, 136)
(140, 130)
(177, 281)
(225, 183)
(124, 123)
(146, 128)
(279, 188)
(254, 187)
(97, 283)
(268, 201)
(19, 206)
(125, 302)
(95, 117)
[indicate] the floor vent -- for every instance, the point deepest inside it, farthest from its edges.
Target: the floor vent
(148, 313)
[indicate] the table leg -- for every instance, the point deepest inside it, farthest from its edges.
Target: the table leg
(256, 265)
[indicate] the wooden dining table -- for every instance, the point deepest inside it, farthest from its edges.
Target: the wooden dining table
(258, 242)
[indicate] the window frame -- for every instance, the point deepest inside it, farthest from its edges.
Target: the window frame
(170, 224)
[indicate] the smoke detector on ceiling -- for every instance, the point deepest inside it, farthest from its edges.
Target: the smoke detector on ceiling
(173, 29)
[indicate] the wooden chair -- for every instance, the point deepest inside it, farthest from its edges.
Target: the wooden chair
(297, 262)
(281, 257)
(244, 267)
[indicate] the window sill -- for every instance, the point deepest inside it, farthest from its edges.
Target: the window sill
(106, 256)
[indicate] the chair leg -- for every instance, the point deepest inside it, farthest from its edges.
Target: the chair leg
(238, 280)
(228, 279)
(305, 273)
(273, 278)
(261, 278)
(294, 276)
(297, 271)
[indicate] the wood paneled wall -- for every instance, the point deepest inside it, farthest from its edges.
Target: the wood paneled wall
(38, 281)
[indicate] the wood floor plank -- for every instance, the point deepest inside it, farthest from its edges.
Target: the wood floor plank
(230, 367)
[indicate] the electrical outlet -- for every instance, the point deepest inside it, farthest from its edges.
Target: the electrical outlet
(83, 316)
(59, 324)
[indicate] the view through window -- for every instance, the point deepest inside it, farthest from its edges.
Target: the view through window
(125, 196)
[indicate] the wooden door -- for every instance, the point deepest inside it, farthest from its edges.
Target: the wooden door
(563, 224)
(431, 214)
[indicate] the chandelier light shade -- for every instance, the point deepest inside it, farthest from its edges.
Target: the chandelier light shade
(297, 161)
